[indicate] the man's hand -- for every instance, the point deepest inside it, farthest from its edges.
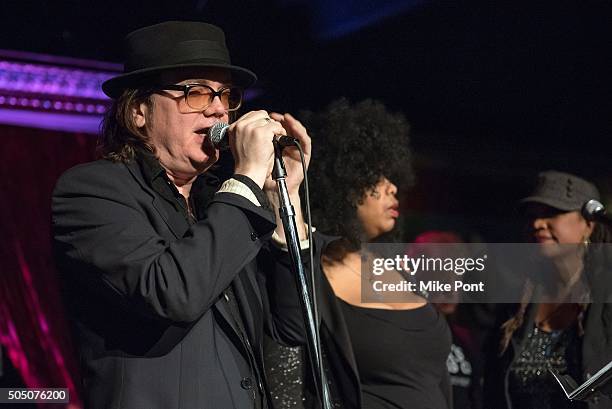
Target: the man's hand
(295, 175)
(291, 155)
(250, 139)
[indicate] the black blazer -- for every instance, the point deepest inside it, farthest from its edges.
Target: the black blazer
(145, 290)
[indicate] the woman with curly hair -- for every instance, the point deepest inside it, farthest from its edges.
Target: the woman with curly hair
(562, 323)
(376, 355)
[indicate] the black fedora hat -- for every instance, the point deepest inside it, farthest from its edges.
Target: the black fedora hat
(174, 45)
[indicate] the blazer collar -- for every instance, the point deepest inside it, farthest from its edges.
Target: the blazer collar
(153, 180)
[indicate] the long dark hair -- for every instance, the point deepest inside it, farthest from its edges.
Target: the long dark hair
(119, 135)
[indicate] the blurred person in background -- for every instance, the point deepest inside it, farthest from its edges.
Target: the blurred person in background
(572, 335)
(465, 362)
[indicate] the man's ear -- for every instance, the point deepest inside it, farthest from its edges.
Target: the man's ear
(140, 113)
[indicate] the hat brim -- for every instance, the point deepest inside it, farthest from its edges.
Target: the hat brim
(557, 204)
(115, 86)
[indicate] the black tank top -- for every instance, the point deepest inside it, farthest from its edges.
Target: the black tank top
(401, 356)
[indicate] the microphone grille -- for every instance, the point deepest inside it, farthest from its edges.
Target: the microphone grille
(217, 135)
(591, 208)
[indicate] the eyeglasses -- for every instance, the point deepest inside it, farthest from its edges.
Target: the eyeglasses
(201, 96)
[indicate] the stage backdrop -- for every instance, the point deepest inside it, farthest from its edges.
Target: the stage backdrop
(50, 112)
(33, 326)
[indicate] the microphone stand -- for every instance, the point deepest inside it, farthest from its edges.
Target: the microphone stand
(287, 215)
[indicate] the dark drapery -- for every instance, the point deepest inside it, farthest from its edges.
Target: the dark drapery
(33, 326)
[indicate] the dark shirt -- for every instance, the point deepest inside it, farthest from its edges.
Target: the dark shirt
(202, 190)
(401, 356)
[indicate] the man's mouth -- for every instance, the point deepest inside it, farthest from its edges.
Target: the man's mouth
(207, 146)
(203, 131)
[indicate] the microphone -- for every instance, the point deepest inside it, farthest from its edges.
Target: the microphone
(216, 133)
(218, 138)
(594, 211)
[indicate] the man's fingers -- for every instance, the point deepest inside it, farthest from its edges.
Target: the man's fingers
(294, 128)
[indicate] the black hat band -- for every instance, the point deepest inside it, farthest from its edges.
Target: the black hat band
(184, 52)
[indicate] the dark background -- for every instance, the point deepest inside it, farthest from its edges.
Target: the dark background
(494, 91)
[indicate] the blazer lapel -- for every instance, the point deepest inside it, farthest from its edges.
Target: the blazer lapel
(174, 220)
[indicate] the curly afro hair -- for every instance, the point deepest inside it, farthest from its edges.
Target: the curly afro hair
(354, 147)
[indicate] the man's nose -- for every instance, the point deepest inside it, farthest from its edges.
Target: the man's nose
(216, 108)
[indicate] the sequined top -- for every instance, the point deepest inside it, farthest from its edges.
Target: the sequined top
(531, 385)
(285, 375)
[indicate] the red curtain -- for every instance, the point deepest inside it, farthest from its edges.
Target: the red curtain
(33, 326)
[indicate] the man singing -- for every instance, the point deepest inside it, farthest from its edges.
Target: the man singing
(160, 278)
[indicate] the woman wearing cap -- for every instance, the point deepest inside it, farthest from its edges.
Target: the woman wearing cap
(377, 355)
(567, 332)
